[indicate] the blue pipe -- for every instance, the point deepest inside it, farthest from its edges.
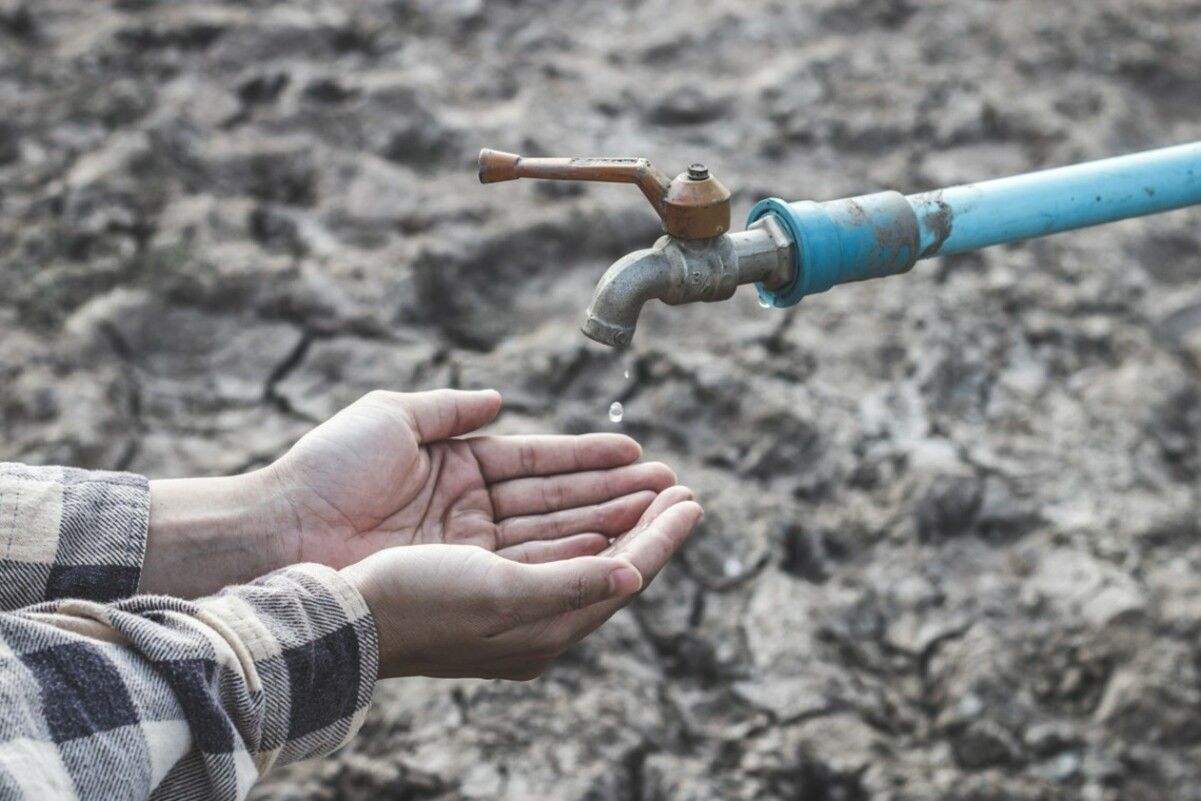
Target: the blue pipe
(886, 233)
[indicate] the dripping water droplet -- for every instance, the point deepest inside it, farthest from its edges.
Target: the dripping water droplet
(764, 303)
(627, 374)
(616, 412)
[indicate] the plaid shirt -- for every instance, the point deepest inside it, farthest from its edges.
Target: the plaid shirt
(109, 695)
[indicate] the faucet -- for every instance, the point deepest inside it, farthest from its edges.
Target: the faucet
(696, 260)
(790, 250)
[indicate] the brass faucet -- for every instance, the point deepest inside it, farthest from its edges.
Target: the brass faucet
(697, 260)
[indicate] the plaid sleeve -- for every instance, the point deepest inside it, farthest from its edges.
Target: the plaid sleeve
(67, 533)
(156, 697)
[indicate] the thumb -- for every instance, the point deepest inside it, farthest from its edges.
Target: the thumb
(445, 413)
(552, 588)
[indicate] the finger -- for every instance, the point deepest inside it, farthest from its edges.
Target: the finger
(503, 458)
(545, 590)
(609, 518)
(555, 550)
(648, 553)
(650, 549)
(663, 501)
(445, 413)
(535, 496)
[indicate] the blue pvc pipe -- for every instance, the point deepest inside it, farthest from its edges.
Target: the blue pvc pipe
(885, 233)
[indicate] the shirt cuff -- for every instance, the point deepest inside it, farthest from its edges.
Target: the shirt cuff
(68, 533)
(315, 653)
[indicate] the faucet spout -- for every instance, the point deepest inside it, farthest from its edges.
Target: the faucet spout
(680, 271)
(629, 283)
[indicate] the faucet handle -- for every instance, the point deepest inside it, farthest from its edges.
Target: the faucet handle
(693, 205)
(496, 166)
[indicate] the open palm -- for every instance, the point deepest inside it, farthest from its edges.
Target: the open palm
(391, 469)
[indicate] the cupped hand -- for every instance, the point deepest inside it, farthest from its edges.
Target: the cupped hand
(393, 469)
(456, 611)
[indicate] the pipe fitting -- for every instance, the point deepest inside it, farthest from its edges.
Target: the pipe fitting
(840, 241)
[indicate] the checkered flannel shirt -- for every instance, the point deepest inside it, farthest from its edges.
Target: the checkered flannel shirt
(110, 695)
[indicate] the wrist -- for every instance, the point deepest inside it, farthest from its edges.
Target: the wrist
(207, 533)
(399, 631)
(360, 580)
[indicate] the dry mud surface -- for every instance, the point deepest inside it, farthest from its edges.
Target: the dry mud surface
(953, 547)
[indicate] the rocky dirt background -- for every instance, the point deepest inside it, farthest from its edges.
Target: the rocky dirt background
(953, 547)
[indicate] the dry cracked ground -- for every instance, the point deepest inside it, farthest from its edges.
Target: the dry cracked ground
(953, 547)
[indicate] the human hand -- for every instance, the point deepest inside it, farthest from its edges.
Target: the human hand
(388, 470)
(455, 611)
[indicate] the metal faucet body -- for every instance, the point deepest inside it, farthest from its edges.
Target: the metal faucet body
(791, 250)
(680, 271)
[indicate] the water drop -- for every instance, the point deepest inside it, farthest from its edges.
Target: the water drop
(1064, 766)
(627, 374)
(732, 567)
(970, 705)
(764, 303)
(616, 412)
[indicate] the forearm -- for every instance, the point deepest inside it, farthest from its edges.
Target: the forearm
(207, 533)
(70, 533)
(157, 694)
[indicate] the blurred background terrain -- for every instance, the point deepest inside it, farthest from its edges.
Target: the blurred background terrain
(953, 547)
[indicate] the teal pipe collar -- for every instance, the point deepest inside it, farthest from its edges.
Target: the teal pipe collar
(853, 239)
(791, 294)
